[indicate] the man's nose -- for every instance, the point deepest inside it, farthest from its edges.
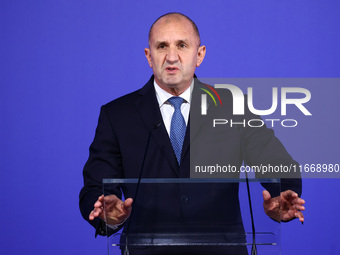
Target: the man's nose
(172, 55)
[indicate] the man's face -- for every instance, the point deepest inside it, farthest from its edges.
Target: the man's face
(174, 53)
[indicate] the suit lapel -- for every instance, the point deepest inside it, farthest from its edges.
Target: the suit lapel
(195, 119)
(148, 108)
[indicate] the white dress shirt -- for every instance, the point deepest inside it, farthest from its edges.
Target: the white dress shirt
(167, 110)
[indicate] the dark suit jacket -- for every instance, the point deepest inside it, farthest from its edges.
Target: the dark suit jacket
(118, 149)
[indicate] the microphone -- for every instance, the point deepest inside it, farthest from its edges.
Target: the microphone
(253, 248)
(154, 127)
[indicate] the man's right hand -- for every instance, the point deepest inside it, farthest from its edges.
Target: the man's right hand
(116, 211)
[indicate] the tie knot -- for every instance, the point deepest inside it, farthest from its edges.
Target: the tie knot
(176, 102)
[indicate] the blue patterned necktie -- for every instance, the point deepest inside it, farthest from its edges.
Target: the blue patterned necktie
(178, 127)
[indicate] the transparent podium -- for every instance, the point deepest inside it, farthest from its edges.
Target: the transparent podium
(194, 216)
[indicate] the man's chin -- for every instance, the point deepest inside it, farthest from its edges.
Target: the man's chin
(173, 81)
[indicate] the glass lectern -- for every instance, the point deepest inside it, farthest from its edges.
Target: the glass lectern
(194, 214)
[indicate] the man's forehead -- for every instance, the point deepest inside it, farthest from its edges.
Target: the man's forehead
(158, 41)
(176, 38)
(174, 24)
(179, 29)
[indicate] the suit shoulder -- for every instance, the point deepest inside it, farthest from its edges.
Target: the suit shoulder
(123, 100)
(127, 104)
(128, 99)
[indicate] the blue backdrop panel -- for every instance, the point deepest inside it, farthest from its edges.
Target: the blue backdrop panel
(61, 60)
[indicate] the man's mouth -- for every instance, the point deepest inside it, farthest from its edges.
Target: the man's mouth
(171, 69)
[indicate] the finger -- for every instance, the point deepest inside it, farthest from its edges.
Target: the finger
(91, 217)
(266, 197)
(299, 207)
(299, 215)
(98, 204)
(94, 213)
(299, 201)
(296, 205)
(97, 211)
(128, 203)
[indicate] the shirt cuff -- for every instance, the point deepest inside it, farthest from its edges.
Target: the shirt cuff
(114, 227)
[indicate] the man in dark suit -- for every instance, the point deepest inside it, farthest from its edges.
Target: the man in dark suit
(120, 142)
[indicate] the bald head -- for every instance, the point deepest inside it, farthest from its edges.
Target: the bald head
(175, 17)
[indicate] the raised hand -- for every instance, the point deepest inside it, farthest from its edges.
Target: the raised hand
(284, 207)
(115, 211)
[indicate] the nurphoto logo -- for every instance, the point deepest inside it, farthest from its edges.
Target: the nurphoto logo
(238, 104)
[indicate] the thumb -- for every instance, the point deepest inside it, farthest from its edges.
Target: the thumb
(128, 203)
(266, 196)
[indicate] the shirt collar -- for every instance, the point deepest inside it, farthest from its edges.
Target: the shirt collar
(163, 96)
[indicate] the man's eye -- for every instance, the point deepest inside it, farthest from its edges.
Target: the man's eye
(161, 46)
(182, 45)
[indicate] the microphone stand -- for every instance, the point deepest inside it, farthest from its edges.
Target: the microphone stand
(154, 126)
(253, 248)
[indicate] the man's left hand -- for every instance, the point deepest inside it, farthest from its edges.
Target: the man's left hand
(284, 207)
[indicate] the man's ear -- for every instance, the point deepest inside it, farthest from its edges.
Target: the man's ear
(148, 56)
(200, 55)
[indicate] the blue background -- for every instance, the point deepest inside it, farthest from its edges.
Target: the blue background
(61, 60)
